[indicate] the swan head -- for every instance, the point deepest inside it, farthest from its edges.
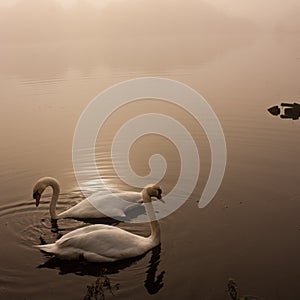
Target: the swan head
(154, 191)
(37, 196)
(40, 186)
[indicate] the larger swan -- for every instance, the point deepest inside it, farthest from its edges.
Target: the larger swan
(84, 209)
(104, 243)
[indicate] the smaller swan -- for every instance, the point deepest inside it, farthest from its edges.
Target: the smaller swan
(105, 243)
(84, 209)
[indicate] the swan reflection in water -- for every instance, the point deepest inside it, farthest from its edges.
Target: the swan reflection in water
(153, 283)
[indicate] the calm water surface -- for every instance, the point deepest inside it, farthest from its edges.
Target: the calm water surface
(251, 229)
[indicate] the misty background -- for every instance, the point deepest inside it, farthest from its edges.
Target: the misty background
(34, 20)
(155, 36)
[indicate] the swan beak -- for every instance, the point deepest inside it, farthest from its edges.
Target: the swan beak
(159, 196)
(162, 200)
(37, 197)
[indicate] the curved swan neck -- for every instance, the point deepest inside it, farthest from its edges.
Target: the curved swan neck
(154, 225)
(56, 189)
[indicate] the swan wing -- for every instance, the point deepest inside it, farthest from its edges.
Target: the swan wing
(99, 243)
(93, 206)
(110, 204)
(84, 210)
(70, 246)
(134, 197)
(110, 243)
(85, 230)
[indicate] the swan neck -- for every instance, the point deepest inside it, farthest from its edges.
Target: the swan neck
(154, 225)
(55, 194)
(155, 232)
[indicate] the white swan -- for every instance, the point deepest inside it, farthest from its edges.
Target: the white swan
(104, 243)
(84, 209)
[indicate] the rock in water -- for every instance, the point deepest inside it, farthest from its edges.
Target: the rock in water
(274, 110)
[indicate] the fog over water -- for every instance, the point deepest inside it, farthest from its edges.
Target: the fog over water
(166, 15)
(25, 20)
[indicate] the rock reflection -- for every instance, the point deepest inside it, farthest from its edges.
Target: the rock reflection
(234, 292)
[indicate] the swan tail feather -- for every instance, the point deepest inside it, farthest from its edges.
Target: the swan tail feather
(49, 248)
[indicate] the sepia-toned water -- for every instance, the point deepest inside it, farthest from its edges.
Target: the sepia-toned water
(251, 229)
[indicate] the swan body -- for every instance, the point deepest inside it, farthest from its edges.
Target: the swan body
(105, 243)
(84, 209)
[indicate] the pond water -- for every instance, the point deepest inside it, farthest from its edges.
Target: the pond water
(250, 231)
